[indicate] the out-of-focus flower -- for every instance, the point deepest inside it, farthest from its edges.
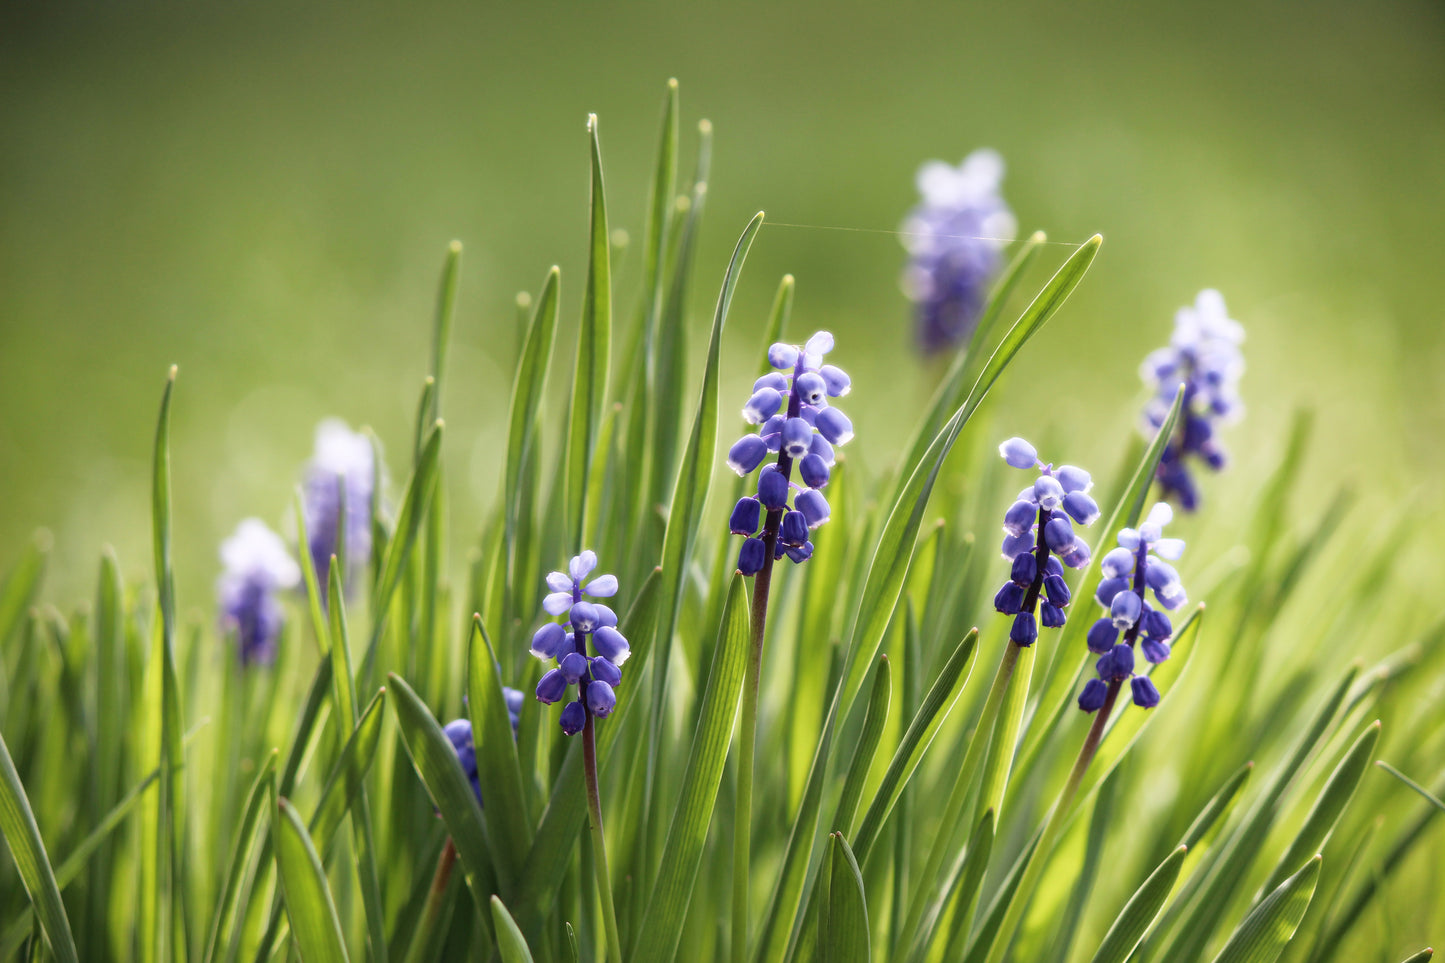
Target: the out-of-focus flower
(343, 462)
(257, 568)
(954, 238)
(459, 733)
(1204, 357)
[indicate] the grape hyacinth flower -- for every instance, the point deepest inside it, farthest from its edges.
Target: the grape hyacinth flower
(954, 238)
(798, 424)
(257, 568)
(596, 671)
(1039, 541)
(343, 463)
(1129, 571)
(1204, 356)
(459, 733)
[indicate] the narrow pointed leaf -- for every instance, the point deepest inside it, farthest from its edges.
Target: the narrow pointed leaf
(661, 928)
(845, 938)
(1132, 922)
(497, 766)
(262, 790)
(916, 740)
(451, 792)
(509, 938)
(309, 905)
(1261, 938)
(1329, 806)
(22, 834)
(594, 350)
(864, 749)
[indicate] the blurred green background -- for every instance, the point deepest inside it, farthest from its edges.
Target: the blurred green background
(263, 194)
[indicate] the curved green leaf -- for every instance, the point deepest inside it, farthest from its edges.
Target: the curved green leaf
(21, 832)
(1129, 926)
(509, 937)
(307, 896)
(528, 388)
(1217, 806)
(442, 324)
(661, 928)
(21, 583)
(436, 763)
(1262, 936)
(507, 815)
(845, 937)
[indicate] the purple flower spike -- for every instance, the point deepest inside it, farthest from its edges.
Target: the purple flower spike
(1130, 570)
(801, 428)
(586, 647)
(1039, 542)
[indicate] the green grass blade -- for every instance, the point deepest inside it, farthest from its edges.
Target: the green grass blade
(661, 928)
(528, 389)
(1329, 806)
(916, 740)
(1420, 957)
(409, 520)
(442, 322)
(963, 895)
(1262, 936)
(436, 763)
(845, 937)
(22, 834)
(694, 476)
(1132, 922)
(894, 553)
(509, 938)
(594, 352)
(864, 749)
(346, 780)
(315, 608)
(497, 766)
(262, 790)
(1425, 793)
(566, 813)
(21, 585)
(307, 896)
(778, 315)
(316, 699)
(1217, 807)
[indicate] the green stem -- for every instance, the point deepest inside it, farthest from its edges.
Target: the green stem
(423, 938)
(1054, 825)
(599, 846)
(923, 901)
(743, 820)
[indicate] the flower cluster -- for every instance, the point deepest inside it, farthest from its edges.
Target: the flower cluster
(1039, 541)
(1128, 572)
(791, 406)
(596, 676)
(343, 462)
(257, 567)
(459, 733)
(954, 238)
(1204, 356)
